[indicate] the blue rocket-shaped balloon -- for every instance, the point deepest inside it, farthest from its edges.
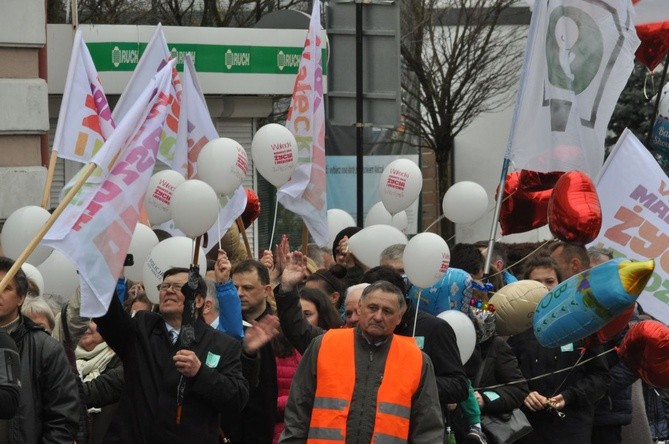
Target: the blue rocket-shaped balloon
(586, 302)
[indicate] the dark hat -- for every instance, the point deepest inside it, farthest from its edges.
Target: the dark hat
(348, 232)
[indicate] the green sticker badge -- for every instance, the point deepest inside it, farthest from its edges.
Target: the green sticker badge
(212, 360)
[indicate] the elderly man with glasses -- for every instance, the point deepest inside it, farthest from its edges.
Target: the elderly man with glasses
(179, 379)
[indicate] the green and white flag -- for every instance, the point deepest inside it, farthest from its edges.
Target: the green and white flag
(579, 56)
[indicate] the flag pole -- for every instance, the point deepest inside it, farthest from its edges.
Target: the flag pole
(86, 173)
(507, 156)
(305, 239)
(242, 230)
(49, 178)
(196, 251)
(498, 210)
(656, 108)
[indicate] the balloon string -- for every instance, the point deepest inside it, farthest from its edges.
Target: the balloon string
(415, 318)
(434, 223)
(545, 375)
(488, 211)
(218, 227)
(559, 387)
(276, 211)
(522, 259)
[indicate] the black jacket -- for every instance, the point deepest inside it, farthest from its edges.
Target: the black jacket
(615, 408)
(294, 325)
(10, 370)
(581, 388)
(255, 424)
(501, 368)
(49, 406)
(147, 409)
(103, 393)
(441, 346)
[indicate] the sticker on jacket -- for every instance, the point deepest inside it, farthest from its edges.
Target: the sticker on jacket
(212, 360)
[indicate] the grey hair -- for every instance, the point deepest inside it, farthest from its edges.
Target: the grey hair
(37, 305)
(355, 287)
(395, 251)
(595, 253)
(212, 296)
(386, 287)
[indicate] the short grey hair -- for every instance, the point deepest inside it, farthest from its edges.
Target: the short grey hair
(212, 295)
(386, 287)
(37, 305)
(395, 251)
(355, 287)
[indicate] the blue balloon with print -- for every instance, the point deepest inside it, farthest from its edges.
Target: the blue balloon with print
(452, 292)
(586, 302)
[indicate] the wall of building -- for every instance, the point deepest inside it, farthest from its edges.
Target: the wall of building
(24, 106)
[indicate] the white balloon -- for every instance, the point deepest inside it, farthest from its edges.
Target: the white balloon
(194, 207)
(426, 259)
(337, 221)
(465, 333)
(172, 252)
(368, 243)
(159, 195)
(401, 221)
(34, 275)
(465, 202)
(274, 152)
(222, 164)
(20, 229)
(60, 276)
(378, 215)
(400, 185)
(143, 240)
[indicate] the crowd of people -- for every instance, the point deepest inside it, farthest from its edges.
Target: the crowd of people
(295, 348)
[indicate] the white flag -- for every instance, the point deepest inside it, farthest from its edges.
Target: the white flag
(95, 229)
(634, 196)
(155, 56)
(305, 192)
(579, 56)
(195, 130)
(84, 121)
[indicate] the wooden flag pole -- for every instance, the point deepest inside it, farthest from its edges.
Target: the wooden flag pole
(49, 178)
(196, 251)
(86, 173)
(305, 239)
(240, 226)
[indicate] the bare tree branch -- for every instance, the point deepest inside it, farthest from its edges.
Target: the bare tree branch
(454, 73)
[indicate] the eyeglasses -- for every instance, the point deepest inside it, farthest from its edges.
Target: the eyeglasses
(167, 285)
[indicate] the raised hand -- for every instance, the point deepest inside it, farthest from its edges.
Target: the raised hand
(282, 250)
(344, 256)
(267, 260)
(260, 333)
(295, 270)
(222, 267)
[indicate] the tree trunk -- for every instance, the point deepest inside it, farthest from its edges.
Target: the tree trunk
(446, 177)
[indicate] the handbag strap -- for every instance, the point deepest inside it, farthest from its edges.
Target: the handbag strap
(492, 351)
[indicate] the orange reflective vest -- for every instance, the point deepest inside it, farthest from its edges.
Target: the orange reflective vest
(335, 381)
